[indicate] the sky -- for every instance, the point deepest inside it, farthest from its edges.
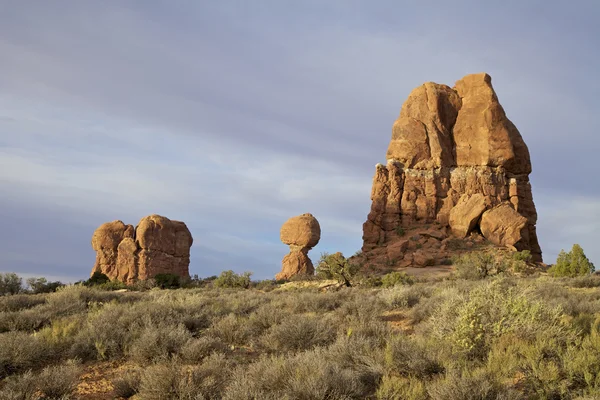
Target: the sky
(233, 116)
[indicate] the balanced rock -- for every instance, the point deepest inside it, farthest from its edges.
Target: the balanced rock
(301, 233)
(453, 155)
(156, 246)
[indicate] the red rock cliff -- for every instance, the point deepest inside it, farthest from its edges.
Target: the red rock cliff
(455, 162)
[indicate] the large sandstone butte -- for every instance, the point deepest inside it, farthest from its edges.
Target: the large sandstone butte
(457, 168)
(156, 246)
(301, 233)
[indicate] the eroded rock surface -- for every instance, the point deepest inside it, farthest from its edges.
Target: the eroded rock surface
(301, 233)
(453, 155)
(157, 245)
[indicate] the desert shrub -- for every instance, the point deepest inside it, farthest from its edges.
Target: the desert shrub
(536, 362)
(25, 320)
(61, 332)
(19, 387)
(479, 264)
(587, 281)
(302, 332)
(403, 296)
(231, 330)
(475, 385)
(20, 302)
(396, 387)
(574, 263)
(167, 281)
(470, 321)
(307, 375)
(10, 283)
(572, 302)
(336, 266)
(158, 342)
(403, 356)
(208, 380)
(265, 285)
(229, 279)
(127, 384)
(41, 285)
(112, 328)
(263, 318)
(97, 278)
(361, 356)
(170, 381)
(396, 278)
(21, 351)
(196, 350)
(58, 382)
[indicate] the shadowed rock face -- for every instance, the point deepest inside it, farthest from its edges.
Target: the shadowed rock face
(301, 233)
(453, 155)
(156, 246)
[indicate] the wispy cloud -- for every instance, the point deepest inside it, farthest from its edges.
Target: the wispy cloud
(234, 116)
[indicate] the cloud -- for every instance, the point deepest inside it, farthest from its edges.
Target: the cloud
(234, 117)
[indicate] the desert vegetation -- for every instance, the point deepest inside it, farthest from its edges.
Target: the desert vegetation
(498, 333)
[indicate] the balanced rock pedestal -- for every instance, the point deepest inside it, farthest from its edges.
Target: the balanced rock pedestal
(156, 246)
(301, 233)
(455, 165)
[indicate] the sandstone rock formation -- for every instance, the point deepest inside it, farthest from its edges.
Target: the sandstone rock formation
(157, 245)
(301, 233)
(453, 155)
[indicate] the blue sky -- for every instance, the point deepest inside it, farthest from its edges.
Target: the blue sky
(233, 116)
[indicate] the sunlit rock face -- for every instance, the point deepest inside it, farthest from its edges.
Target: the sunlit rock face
(457, 165)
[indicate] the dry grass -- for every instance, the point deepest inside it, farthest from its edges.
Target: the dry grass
(502, 337)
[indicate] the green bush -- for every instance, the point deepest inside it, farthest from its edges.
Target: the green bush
(41, 285)
(229, 279)
(97, 278)
(396, 278)
(167, 281)
(10, 283)
(573, 263)
(336, 266)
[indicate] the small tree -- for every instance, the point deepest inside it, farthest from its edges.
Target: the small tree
(41, 285)
(336, 266)
(97, 278)
(10, 283)
(573, 263)
(229, 279)
(167, 281)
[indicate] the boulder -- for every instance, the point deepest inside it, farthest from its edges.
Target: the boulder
(504, 226)
(157, 245)
(466, 213)
(301, 233)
